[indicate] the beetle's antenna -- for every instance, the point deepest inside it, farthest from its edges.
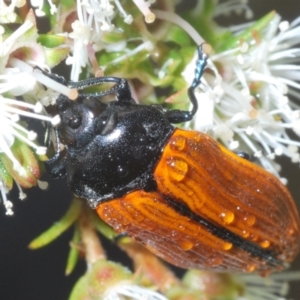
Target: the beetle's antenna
(201, 63)
(178, 116)
(121, 87)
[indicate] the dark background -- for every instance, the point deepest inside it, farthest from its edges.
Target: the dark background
(39, 274)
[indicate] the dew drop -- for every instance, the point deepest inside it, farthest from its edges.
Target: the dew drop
(178, 143)
(106, 210)
(178, 168)
(174, 233)
(151, 147)
(216, 261)
(227, 246)
(245, 233)
(190, 192)
(250, 220)
(138, 217)
(265, 244)
(197, 137)
(122, 171)
(228, 217)
(254, 237)
(181, 227)
(250, 268)
(186, 244)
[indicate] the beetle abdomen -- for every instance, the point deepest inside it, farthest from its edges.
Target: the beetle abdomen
(212, 210)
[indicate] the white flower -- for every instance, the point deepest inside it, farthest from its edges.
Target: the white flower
(7, 12)
(274, 287)
(94, 18)
(81, 37)
(19, 78)
(246, 103)
(131, 292)
(257, 78)
(237, 6)
(39, 5)
(7, 203)
(144, 8)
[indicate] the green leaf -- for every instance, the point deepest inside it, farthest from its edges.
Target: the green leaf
(73, 253)
(80, 290)
(51, 40)
(59, 227)
(113, 37)
(249, 34)
(55, 56)
(102, 227)
(179, 36)
(5, 176)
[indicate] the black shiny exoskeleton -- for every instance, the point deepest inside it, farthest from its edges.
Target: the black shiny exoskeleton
(112, 148)
(181, 194)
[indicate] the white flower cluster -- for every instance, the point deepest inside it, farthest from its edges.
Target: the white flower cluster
(94, 18)
(251, 99)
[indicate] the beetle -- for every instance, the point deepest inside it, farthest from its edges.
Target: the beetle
(184, 196)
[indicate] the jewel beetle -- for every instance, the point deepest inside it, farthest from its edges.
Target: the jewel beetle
(184, 196)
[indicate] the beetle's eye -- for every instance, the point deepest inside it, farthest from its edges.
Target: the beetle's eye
(94, 105)
(75, 122)
(62, 105)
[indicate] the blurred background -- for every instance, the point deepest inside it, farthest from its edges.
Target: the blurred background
(39, 274)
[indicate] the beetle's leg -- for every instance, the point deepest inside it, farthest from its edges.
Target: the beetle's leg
(244, 155)
(47, 136)
(179, 116)
(56, 165)
(120, 236)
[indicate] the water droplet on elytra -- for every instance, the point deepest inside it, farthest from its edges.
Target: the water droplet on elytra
(228, 217)
(254, 237)
(265, 244)
(178, 168)
(138, 217)
(216, 261)
(245, 233)
(250, 268)
(174, 233)
(178, 143)
(227, 246)
(185, 244)
(250, 220)
(190, 192)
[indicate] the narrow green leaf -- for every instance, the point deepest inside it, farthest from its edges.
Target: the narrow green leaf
(51, 40)
(73, 253)
(80, 290)
(102, 227)
(55, 55)
(247, 35)
(59, 227)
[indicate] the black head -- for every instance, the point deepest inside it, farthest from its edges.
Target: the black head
(111, 148)
(81, 120)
